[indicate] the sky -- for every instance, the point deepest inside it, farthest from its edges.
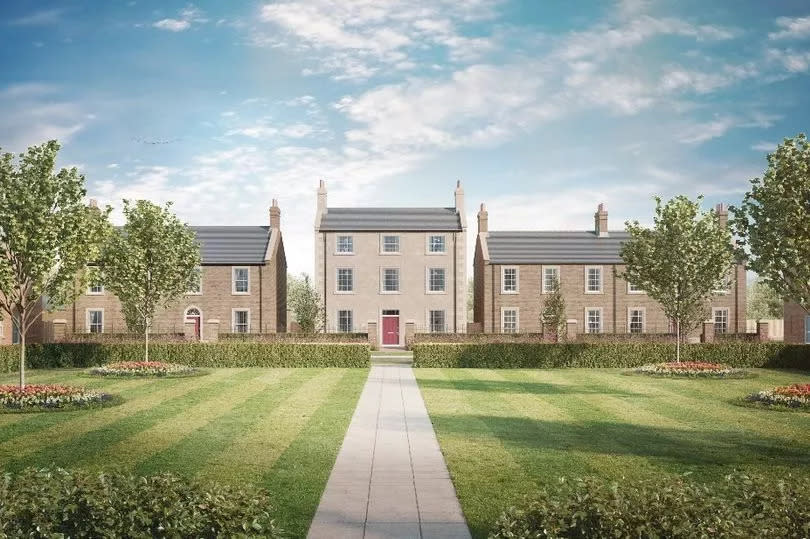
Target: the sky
(543, 109)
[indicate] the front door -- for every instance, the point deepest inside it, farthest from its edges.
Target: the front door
(390, 330)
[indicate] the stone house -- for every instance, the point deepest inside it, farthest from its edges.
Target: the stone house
(513, 271)
(797, 324)
(242, 289)
(384, 270)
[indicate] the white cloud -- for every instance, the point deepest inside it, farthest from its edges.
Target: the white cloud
(255, 131)
(793, 61)
(40, 18)
(791, 28)
(678, 78)
(172, 25)
(186, 17)
(32, 113)
(703, 131)
(113, 165)
(764, 146)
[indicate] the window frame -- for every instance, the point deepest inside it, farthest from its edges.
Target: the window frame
(503, 319)
(235, 310)
(543, 289)
(382, 244)
(200, 287)
(643, 311)
(428, 275)
(429, 245)
(727, 312)
(90, 291)
(337, 280)
(630, 291)
(88, 324)
(382, 280)
(587, 326)
(339, 321)
(338, 252)
(601, 280)
(233, 281)
(503, 280)
(430, 320)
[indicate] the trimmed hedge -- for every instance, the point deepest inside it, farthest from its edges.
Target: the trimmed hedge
(738, 354)
(61, 503)
(740, 506)
(295, 337)
(220, 354)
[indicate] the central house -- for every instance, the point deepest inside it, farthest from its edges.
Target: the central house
(382, 269)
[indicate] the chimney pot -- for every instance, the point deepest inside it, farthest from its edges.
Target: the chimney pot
(601, 221)
(275, 215)
(722, 214)
(483, 220)
(93, 203)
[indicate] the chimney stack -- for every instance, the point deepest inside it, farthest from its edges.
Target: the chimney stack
(601, 221)
(275, 216)
(93, 203)
(460, 204)
(322, 197)
(722, 215)
(483, 220)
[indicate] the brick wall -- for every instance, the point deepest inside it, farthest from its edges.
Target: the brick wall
(794, 323)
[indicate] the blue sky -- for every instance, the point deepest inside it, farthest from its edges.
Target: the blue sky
(542, 108)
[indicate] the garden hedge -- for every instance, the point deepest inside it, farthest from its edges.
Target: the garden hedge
(739, 506)
(220, 354)
(738, 354)
(61, 503)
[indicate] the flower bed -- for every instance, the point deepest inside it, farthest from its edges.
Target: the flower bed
(143, 368)
(41, 397)
(792, 396)
(691, 369)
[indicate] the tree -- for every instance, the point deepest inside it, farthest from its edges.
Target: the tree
(763, 301)
(680, 261)
(773, 222)
(553, 313)
(306, 303)
(47, 236)
(148, 263)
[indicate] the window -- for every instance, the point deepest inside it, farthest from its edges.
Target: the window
(593, 280)
(390, 244)
(635, 320)
(551, 274)
(721, 320)
(95, 320)
(509, 320)
(390, 280)
(241, 321)
(724, 286)
(345, 280)
(344, 245)
(196, 284)
(345, 321)
(593, 320)
(633, 289)
(95, 289)
(436, 244)
(509, 280)
(436, 280)
(437, 322)
(241, 280)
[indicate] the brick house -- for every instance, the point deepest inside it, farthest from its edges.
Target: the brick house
(514, 270)
(243, 288)
(797, 324)
(382, 270)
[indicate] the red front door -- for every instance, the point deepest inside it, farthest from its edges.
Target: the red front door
(390, 330)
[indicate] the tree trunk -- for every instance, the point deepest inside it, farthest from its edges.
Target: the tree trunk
(678, 341)
(146, 334)
(22, 359)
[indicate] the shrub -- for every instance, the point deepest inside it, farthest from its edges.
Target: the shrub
(738, 354)
(792, 396)
(739, 506)
(296, 337)
(691, 369)
(219, 354)
(40, 397)
(143, 368)
(61, 503)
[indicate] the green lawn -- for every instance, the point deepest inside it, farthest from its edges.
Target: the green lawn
(278, 428)
(506, 432)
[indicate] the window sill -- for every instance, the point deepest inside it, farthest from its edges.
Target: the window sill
(436, 292)
(594, 293)
(193, 294)
(240, 293)
(344, 292)
(436, 254)
(95, 294)
(390, 292)
(510, 292)
(343, 254)
(636, 293)
(391, 254)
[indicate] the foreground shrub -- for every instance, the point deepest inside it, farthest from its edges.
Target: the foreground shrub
(792, 396)
(61, 503)
(691, 369)
(737, 354)
(143, 368)
(41, 397)
(739, 506)
(203, 355)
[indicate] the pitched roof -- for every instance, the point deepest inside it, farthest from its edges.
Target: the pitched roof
(383, 219)
(549, 247)
(232, 244)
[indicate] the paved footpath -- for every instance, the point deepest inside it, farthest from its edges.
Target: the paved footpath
(390, 479)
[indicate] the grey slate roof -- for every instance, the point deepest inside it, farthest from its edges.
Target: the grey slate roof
(384, 219)
(232, 245)
(549, 247)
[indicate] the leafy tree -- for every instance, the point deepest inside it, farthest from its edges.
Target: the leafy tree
(306, 303)
(47, 236)
(685, 256)
(763, 301)
(148, 263)
(774, 222)
(553, 313)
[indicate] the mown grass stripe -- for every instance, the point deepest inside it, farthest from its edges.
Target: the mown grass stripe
(76, 448)
(273, 433)
(192, 453)
(299, 474)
